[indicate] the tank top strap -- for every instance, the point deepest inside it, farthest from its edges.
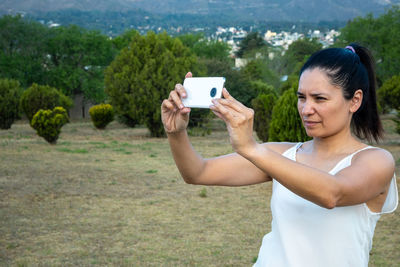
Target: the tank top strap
(291, 152)
(298, 145)
(362, 149)
(346, 161)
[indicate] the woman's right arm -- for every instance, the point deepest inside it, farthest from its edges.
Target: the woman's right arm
(228, 170)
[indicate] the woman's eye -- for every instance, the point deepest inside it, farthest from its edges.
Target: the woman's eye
(321, 98)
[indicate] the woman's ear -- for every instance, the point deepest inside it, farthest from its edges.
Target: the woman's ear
(356, 101)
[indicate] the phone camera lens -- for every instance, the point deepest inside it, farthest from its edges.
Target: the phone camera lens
(213, 92)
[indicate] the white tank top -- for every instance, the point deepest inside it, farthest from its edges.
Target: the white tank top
(304, 234)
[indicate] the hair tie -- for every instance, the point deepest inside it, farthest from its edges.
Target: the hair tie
(349, 47)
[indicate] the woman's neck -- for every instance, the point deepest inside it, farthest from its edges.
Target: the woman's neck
(342, 143)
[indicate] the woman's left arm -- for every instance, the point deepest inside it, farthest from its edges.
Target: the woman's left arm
(367, 177)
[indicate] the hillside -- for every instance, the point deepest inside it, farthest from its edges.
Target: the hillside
(269, 10)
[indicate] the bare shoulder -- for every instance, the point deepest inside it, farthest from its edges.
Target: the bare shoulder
(374, 154)
(377, 160)
(279, 147)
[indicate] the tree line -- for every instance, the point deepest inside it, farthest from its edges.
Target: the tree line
(114, 23)
(134, 72)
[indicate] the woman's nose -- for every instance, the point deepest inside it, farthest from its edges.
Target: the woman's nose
(307, 108)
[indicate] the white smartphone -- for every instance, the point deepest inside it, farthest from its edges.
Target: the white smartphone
(201, 90)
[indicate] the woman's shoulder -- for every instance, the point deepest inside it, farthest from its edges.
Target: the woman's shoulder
(279, 147)
(374, 155)
(375, 160)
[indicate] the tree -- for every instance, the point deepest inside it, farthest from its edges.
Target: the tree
(22, 50)
(298, 51)
(244, 84)
(203, 48)
(258, 69)
(286, 124)
(10, 93)
(123, 40)
(389, 98)
(252, 41)
(189, 40)
(143, 74)
(238, 84)
(212, 49)
(76, 61)
(263, 105)
(381, 36)
(389, 94)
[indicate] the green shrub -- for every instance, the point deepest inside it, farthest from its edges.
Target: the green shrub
(389, 94)
(101, 115)
(286, 124)
(43, 97)
(10, 93)
(263, 105)
(48, 123)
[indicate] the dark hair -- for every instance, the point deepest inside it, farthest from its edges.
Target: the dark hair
(352, 71)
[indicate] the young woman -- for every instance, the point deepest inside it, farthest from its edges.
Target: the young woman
(328, 193)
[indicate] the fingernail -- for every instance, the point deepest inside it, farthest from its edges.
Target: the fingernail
(183, 94)
(181, 106)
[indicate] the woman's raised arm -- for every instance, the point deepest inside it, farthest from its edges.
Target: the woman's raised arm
(229, 170)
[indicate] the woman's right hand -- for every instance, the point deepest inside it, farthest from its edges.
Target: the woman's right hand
(174, 115)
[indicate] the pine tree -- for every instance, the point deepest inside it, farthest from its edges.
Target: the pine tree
(286, 123)
(143, 74)
(389, 94)
(263, 105)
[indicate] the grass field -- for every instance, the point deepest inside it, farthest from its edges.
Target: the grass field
(115, 198)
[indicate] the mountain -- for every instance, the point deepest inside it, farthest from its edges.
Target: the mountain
(267, 10)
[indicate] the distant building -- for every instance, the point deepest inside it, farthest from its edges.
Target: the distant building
(241, 62)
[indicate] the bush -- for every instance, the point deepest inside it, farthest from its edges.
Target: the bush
(43, 97)
(263, 105)
(101, 115)
(48, 123)
(10, 93)
(286, 124)
(389, 94)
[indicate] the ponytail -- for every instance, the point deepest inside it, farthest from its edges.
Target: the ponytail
(366, 122)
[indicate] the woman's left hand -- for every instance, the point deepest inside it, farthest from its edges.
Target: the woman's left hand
(239, 121)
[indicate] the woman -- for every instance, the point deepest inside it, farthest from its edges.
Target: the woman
(328, 193)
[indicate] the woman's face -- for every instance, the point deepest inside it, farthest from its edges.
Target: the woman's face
(321, 105)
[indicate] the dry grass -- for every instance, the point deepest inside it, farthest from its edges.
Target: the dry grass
(115, 198)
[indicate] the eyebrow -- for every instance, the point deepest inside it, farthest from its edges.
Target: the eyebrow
(314, 95)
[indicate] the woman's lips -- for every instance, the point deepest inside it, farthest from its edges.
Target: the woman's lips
(310, 123)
